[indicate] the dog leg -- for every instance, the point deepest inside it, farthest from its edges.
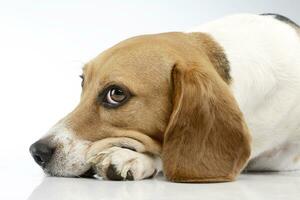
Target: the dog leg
(117, 163)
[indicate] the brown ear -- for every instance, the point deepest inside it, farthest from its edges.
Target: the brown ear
(206, 139)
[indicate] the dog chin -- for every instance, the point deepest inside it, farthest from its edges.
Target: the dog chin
(89, 173)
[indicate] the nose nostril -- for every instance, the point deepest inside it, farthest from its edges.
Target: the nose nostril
(38, 159)
(41, 153)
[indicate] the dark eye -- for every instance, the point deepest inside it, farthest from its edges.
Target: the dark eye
(115, 96)
(82, 80)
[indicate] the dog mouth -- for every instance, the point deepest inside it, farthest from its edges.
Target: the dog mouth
(90, 173)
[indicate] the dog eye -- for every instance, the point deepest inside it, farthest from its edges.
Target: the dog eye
(82, 80)
(115, 96)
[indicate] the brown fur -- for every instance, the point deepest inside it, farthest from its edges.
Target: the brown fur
(215, 54)
(137, 65)
(205, 139)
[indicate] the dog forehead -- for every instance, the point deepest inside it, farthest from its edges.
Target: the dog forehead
(139, 52)
(135, 61)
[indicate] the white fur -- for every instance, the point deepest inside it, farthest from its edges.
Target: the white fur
(69, 156)
(264, 56)
(140, 165)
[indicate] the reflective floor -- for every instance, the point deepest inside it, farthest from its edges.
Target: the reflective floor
(252, 186)
(31, 184)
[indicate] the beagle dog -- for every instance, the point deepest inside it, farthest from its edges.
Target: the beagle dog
(201, 105)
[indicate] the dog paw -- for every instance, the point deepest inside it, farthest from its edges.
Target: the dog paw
(118, 163)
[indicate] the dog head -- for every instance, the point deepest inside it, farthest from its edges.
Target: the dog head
(152, 90)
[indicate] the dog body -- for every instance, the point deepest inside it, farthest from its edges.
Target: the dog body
(212, 101)
(264, 57)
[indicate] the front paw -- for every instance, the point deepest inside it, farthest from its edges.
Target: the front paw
(118, 163)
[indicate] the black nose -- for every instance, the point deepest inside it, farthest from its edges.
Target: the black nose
(41, 152)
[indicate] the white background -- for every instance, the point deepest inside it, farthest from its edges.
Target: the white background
(44, 44)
